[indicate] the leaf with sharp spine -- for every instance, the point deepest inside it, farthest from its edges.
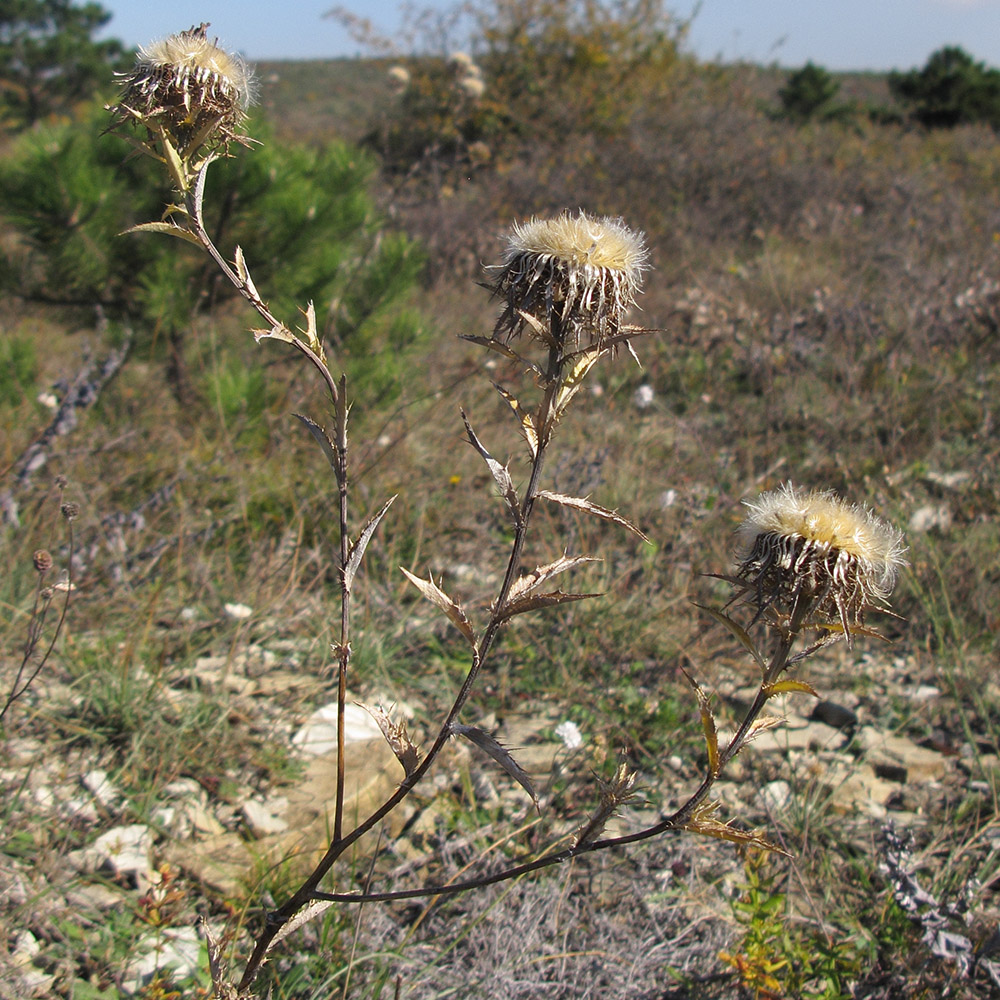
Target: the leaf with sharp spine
(704, 822)
(437, 596)
(582, 364)
(499, 347)
(358, 548)
(532, 602)
(739, 632)
(707, 725)
(321, 437)
(531, 581)
(163, 227)
(278, 332)
(499, 472)
(761, 725)
(789, 684)
(524, 418)
(396, 736)
(578, 503)
(492, 747)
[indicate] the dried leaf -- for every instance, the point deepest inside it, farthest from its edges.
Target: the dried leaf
(396, 736)
(275, 333)
(789, 684)
(499, 472)
(761, 725)
(704, 822)
(739, 632)
(170, 228)
(499, 347)
(320, 435)
(491, 746)
(707, 725)
(532, 602)
(527, 424)
(578, 503)
(582, 364)
(525, 584)
(437, 596)
(358, 548)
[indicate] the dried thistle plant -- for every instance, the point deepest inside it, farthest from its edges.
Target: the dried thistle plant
(809, 561)
(572, 278)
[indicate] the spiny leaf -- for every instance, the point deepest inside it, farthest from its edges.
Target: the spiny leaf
(578, 503)
(704, 822)
(539, 327)
(358, 548)
(525, 584)
(491, 746)
(707, 725)
(739, 632)
(582, 364)
(499, 472)
(499, 347)
(312, 337)
(163, 227)
(437, 596)
(789, 684)
(761, 725)
(320, 435)
(532, 602)
(278, 332)
(396, 736)
(527, 424)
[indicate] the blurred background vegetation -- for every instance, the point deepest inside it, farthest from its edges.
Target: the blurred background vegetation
(826, 253)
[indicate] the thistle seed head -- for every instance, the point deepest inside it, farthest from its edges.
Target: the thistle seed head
(189, 87)
(577, 275)
(805, 545)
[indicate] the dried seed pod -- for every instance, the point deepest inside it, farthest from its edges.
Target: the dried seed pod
(805, 545)
(42, 561)
(577, 275)
(189, 88)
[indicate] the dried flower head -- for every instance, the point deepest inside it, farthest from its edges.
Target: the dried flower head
(576, 274)
(189, 88)
(804, 545)
(69, 510)
(42, 561)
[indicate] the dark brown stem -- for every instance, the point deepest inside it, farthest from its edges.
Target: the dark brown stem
(307, 891)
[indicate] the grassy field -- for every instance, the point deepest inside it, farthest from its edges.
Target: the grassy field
(828, 306)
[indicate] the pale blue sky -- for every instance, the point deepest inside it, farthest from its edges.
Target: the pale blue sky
(837, 34)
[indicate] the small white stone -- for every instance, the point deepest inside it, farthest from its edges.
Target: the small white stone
(100, 786)
(126, 850)
(319, 734)
(238, 611)
(260, 820)
(776, 795)
(174, 948)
